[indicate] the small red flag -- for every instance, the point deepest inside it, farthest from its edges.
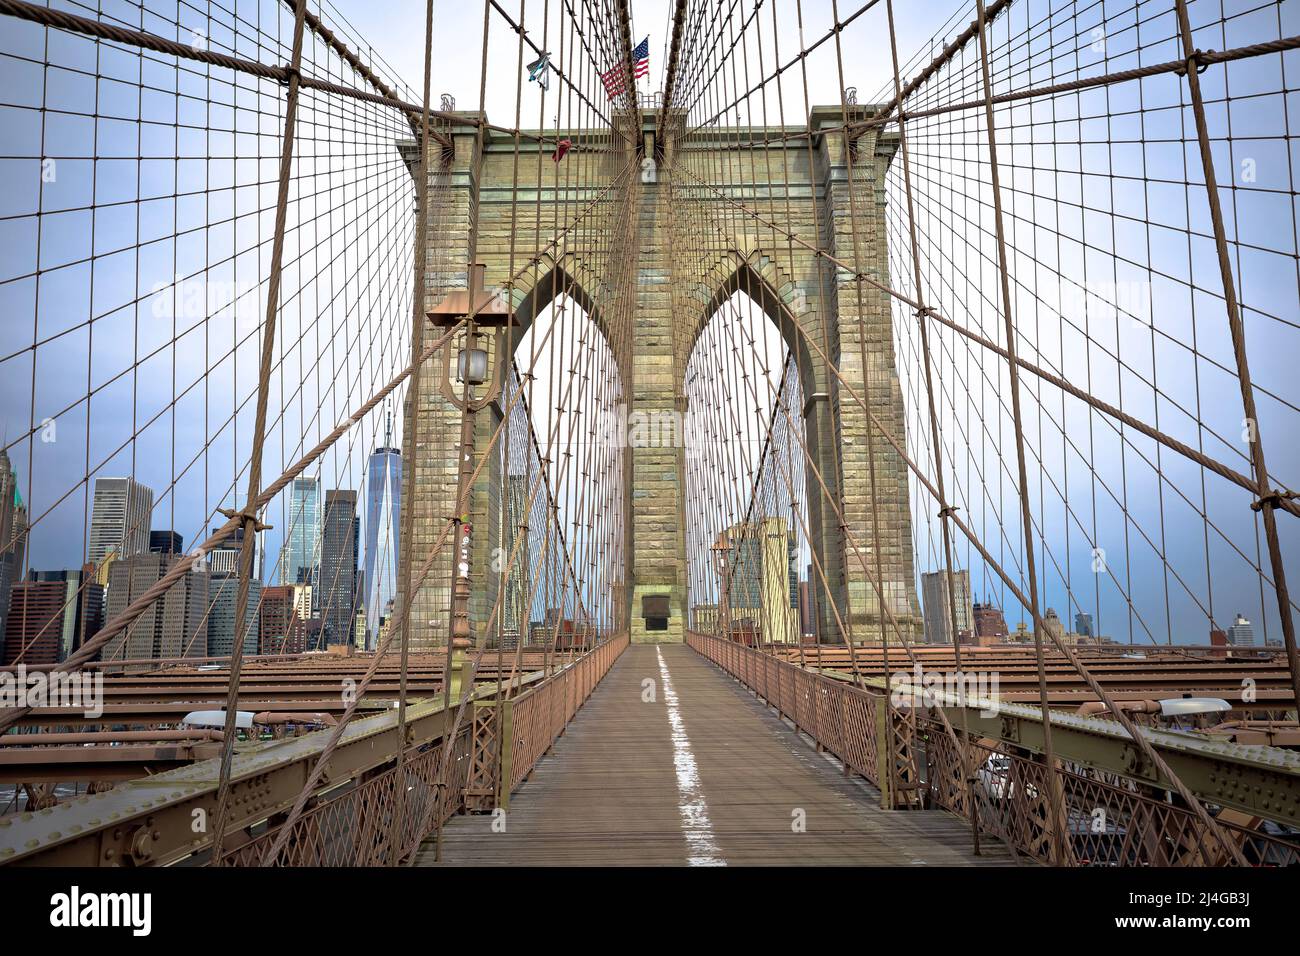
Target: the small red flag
(562, 147)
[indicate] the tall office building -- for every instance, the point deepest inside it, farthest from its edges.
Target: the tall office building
(119, 521)
(280, 629)
(315, 635)
(359, 630)
(13, 528)
(761, 560)
(807, 610)
(383, 510)
(359, 590)
(303, 602)
(1083, 624)
(1241, 633)
(515, 611)
(300, 560)
(166, 542)
(223, 594)
(52, 615)
(224, 558)
(934, 598)
(385, 619)
(812, 597)
(338, 566)
(175, 625)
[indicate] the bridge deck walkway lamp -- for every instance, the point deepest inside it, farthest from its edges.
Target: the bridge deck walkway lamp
(485, 310)
(484, 313)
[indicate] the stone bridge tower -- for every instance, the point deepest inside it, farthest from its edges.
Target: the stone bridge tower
(497, 200)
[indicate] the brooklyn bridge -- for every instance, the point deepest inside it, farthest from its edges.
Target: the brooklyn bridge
(817, 433)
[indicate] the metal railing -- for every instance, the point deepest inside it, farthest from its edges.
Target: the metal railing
(492, 755)
(847, 721)
(358, 827)
(1109, 819)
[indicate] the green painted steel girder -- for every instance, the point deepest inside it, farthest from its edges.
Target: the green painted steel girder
(1262, 781)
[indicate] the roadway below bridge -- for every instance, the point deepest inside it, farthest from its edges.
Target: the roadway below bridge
(671, 762)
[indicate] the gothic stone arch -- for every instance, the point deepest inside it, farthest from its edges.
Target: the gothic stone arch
(477, 189)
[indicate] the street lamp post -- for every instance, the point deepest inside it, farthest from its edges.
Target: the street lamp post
(480, 310)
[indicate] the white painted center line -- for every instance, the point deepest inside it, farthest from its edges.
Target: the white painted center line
(701, 848)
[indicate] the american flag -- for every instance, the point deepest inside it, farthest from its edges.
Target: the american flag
(614, 79)
(641, 58)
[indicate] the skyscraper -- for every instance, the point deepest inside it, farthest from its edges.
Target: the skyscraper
(166, 542)
(223, 594)
(1241, 633)
(52, 615)
(764, 575)
(175, 625)
(359, 630)
(1083, 624)
(359, 589)
(280, 629)
(119, 523)
(338, 565)
(810, 596)
(934, 598)
(514, 538)
(807, 613)
(300, 562)
(383, 508)
(303, 602)
(224, 558)
(13, 528)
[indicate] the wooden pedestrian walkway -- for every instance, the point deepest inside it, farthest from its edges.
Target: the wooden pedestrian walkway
(671, 762)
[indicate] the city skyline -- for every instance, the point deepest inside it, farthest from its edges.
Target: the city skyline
(196, 617)
(122, 496)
